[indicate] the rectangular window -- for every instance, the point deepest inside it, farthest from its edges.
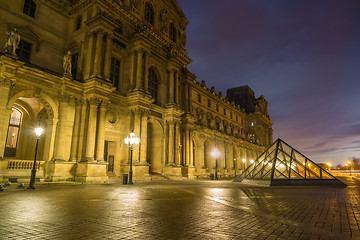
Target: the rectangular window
(231, 115)
(209, 103)
(237, 119)
(199, 98)
(29, 8)
(24, 51)
(13, 134)
(74, 62)
(115, 72)
(224, 111)
(217, 107)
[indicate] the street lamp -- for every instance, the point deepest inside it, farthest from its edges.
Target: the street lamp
(329, 164)
(349, 164)
(131, 142)
(215, 153)
(38, 132)
(235, 166)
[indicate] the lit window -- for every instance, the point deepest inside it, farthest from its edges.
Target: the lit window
(153, 84)
(29, 8)
(149, 13)
(115, 72)
(13, 133)
(252, 124)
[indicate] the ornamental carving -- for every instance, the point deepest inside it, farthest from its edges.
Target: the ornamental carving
(7, 82)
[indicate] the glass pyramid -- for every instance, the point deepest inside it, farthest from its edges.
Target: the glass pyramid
(282, 165)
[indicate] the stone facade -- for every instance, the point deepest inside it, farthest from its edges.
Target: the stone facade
(128, 73)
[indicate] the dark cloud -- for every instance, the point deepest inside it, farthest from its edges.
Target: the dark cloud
(303, 55)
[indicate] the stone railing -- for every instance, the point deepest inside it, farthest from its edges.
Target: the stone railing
(22, 164)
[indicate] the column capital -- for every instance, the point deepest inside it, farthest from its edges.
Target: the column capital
(65, 98)
(94, 101)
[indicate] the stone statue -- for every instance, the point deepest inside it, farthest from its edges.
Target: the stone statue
(67, 63)
(12, 42)
(164, 20)
(183, 37)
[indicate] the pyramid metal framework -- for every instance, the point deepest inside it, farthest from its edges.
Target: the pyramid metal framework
(282, 165)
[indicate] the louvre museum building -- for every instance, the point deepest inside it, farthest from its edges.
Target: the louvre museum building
(90, 72)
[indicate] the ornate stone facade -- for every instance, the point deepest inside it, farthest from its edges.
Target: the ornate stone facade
(125, 68)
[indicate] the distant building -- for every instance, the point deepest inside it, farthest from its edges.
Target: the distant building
(89, 72)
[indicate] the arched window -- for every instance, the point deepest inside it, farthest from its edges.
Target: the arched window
(153, 83)
(13, 133)
(29, 8)
(172, 32)
(149, 13)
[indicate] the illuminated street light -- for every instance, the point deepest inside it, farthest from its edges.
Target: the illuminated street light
(215, 153)
(244, 160)
(251, 161)
(329, 164)
(131, 142)
(235, 166)
(349, 163)
(38, 132)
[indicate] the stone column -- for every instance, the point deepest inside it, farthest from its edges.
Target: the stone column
(139, 69)
(100, 138)
(171, 143)
(187, 146)
(49, 139)
(137, 131)
(177, 148)
(177, 88)
(99, 53)
(89, 56)
(186, 91)
(107, 58)
(91, 130)
(131, 69)
(143, 137)
(146, 79)
(191, 148)
(64, 129)
(171, 86)
(5, 85)
(190, 97)
(83, 118)
(76, 131)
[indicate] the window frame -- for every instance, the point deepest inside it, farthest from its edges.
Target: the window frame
(28, 12)
(113, 74)
(149, 13)
(153, 84)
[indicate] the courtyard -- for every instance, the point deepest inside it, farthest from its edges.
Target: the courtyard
(200, 209)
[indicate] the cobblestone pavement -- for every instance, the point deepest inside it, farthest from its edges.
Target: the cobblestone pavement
(180, 210)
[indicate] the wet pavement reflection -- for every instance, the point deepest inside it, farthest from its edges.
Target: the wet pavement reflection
(180, 210)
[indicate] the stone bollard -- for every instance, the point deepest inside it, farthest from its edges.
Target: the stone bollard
(1, 189)
(20, 185)
(8, 184)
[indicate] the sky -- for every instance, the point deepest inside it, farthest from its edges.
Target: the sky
(302, 55)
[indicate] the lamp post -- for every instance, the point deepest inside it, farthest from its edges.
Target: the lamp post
(38, 132)
(235, 166)
(215, 153)
(244, 161)
(131, 142)
(349, 164)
